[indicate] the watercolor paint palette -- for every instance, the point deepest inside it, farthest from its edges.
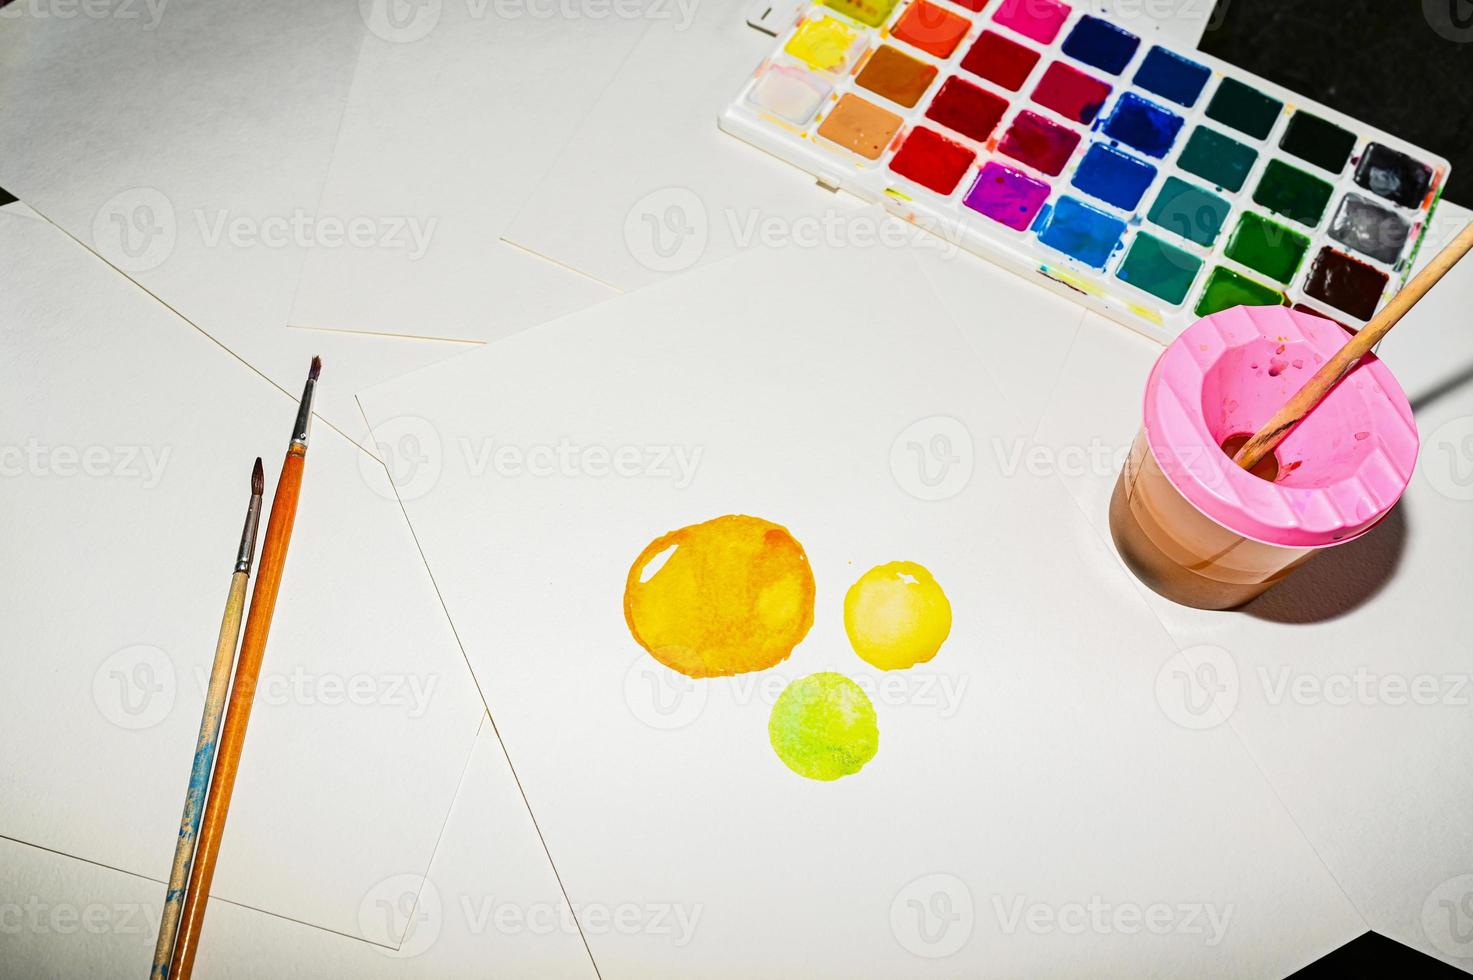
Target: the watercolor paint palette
(1154, 186)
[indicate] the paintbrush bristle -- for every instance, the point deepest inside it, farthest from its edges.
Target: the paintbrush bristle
(316, 369)
(258, 479)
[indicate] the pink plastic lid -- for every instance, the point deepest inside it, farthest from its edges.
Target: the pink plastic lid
(1341, 470)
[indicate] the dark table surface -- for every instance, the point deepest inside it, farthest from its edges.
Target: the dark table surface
(1405, 66)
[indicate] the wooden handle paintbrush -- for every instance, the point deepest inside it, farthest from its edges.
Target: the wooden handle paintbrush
(209, 728)
(1272, 432)
(243, 692)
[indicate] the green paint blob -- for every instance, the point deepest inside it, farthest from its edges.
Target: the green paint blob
(1293, 193)
(1191, 212)
(1226, 289)
(823, 726)
(1160, 269)
(1244, 108)
(1320, 142)
(1217, 159)
(1270, 248)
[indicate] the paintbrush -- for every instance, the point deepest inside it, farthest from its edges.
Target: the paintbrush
(209, 727)
(243, 692)
(1273, 432)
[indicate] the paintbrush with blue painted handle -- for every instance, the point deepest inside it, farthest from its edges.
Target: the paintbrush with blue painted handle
(269, 570)
(209, 729)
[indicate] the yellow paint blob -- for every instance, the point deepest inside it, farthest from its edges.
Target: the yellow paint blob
(731, 595)
(896, 615)
(823, 44)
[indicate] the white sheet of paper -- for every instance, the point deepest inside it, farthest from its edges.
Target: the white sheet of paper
(1025, 773)
(189, 150)
(648, 186)
(490, 906)
(127, 441)
(1325, 668)
(510, 85)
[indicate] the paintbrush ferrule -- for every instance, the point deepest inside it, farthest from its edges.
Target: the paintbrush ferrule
(247, 552)
(303, 427)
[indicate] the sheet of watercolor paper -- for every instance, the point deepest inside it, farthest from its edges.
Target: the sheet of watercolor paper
(187, 145)
(490, 905)
(1349, 682)
(127, 440)
(798, 434)
(671, 191)
(510, 84)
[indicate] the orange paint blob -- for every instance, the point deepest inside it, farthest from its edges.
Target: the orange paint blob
(728, 596)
